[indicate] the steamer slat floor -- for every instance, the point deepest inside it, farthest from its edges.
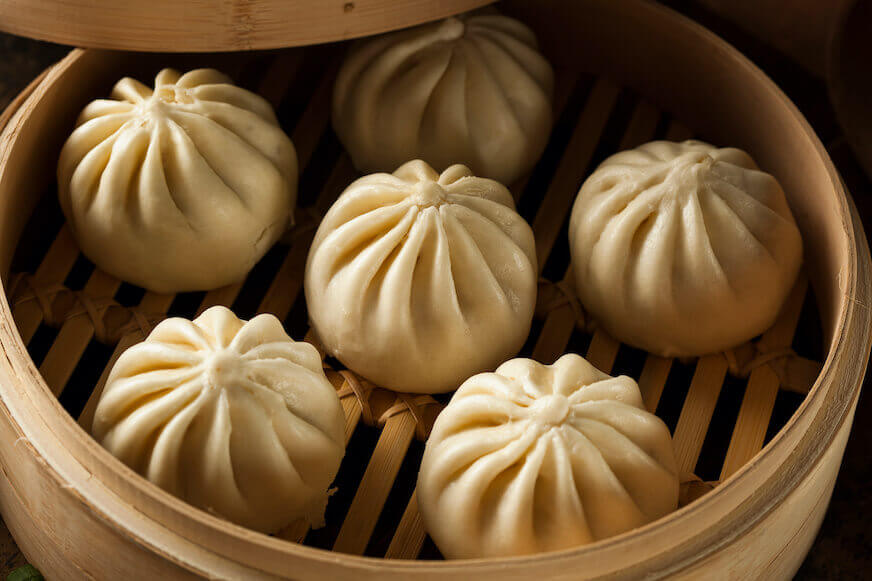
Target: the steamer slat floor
(80, 319)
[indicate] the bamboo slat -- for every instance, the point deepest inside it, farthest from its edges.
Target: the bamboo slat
(286, 286)
(279, 75)
(557, 329)
(759, 399)
(697, 411)
(151, 303)
(652, 381)
(566, 180)
(77, 331)
(343, 173)
(314, 119)
(563, 86)
(409, 538)
(53, 269)
(603, 351)
(383, 465)
(352, 410)
(376, 484)
(224, 295)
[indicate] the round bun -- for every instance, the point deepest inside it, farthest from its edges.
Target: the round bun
(156, 184)
(543, 457)
(470, 89)
(417, 280)
(683, 249)
(232, 416)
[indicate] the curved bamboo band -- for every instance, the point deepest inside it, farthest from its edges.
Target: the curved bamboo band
(107, 329)
(361, 391)
(760, 358)
(412, 404)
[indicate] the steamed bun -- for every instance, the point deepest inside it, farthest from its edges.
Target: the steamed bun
(683, 249)
(156, 184)
(232, 416)
(470, 89)
(539, 457)
(417, 280)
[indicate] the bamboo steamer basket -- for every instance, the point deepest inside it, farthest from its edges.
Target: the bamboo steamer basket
(628, 71)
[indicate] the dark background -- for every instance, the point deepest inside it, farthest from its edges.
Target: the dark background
(843, 549)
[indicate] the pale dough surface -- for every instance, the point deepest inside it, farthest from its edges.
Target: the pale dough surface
(232, 416)
(539, 457)
(417, 280)
(471, 89)
(178, 188)
(683, 249)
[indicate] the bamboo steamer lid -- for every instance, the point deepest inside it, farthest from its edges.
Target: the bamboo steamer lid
(216, 25)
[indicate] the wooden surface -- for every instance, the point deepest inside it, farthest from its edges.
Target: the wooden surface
(604, 351)
(215, 25)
